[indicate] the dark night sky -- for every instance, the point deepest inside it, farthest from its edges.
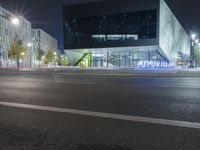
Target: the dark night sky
(47, 14)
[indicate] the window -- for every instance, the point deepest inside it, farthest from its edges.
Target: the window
(118, 27)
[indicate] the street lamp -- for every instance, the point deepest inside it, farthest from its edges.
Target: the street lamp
(30, 53)
(22, 59)
(55, 57)
(29, 44)
(22, 53)
(16, 22)
(194, 43)
(193, 36)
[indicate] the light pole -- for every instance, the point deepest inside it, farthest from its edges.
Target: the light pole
(43, 59)
(15, 21)
(1, 57)
(55, 57)
(192, 57)
(30, 53)
(194, 43)
(22, 58)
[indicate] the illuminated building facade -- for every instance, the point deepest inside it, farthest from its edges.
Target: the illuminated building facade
(44, 41)
(122, 33)
(8, 33)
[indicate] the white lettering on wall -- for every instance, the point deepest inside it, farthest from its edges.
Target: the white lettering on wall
(154, 64)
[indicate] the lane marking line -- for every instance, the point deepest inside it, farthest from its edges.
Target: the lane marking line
(179, 86)
(110, 84)
(192, 86)
(43, 81)
(184, 124)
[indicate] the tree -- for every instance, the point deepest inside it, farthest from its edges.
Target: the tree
(197, 55)
(58, 59)
(39, 54)
(49, 56)
(64, 61)
(12, 51)
(22, 52)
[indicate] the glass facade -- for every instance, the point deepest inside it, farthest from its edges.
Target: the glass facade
(119, 27)
(121, 58)
(126, 34)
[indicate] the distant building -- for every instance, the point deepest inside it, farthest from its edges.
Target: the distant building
(8, 33)
(43, 41)
(124, 33)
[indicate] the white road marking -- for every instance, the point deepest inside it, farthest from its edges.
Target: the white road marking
(45, 81)
(180, 86)
(167, 122)
(74, 82)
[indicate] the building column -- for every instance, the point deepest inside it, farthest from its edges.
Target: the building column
(107, 59)
(149, 55)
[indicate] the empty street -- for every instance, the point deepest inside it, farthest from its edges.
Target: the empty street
(48, 111)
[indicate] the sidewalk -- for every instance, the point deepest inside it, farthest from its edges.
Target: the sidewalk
(126, 72)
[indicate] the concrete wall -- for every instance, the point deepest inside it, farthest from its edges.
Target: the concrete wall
(173, 38)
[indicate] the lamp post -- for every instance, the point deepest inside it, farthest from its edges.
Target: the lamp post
(30, 53)
(22, 58)
(15, 21)
(43, 59)
(55, 58)
(194, 43)
(1, 57)
(192, 54)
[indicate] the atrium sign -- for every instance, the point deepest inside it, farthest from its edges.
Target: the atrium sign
(155, 64)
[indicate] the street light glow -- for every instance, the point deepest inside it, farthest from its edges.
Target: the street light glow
(193, 36)
(15, 21)
(29, 44)
(22, 53)
(197, 41)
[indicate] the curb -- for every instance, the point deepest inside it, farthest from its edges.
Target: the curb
(131, 74)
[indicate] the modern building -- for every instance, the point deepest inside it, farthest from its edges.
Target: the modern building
(8, 33)
(124, 33)
(43, 41)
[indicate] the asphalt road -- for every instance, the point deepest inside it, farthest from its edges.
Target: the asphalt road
(170, 98)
